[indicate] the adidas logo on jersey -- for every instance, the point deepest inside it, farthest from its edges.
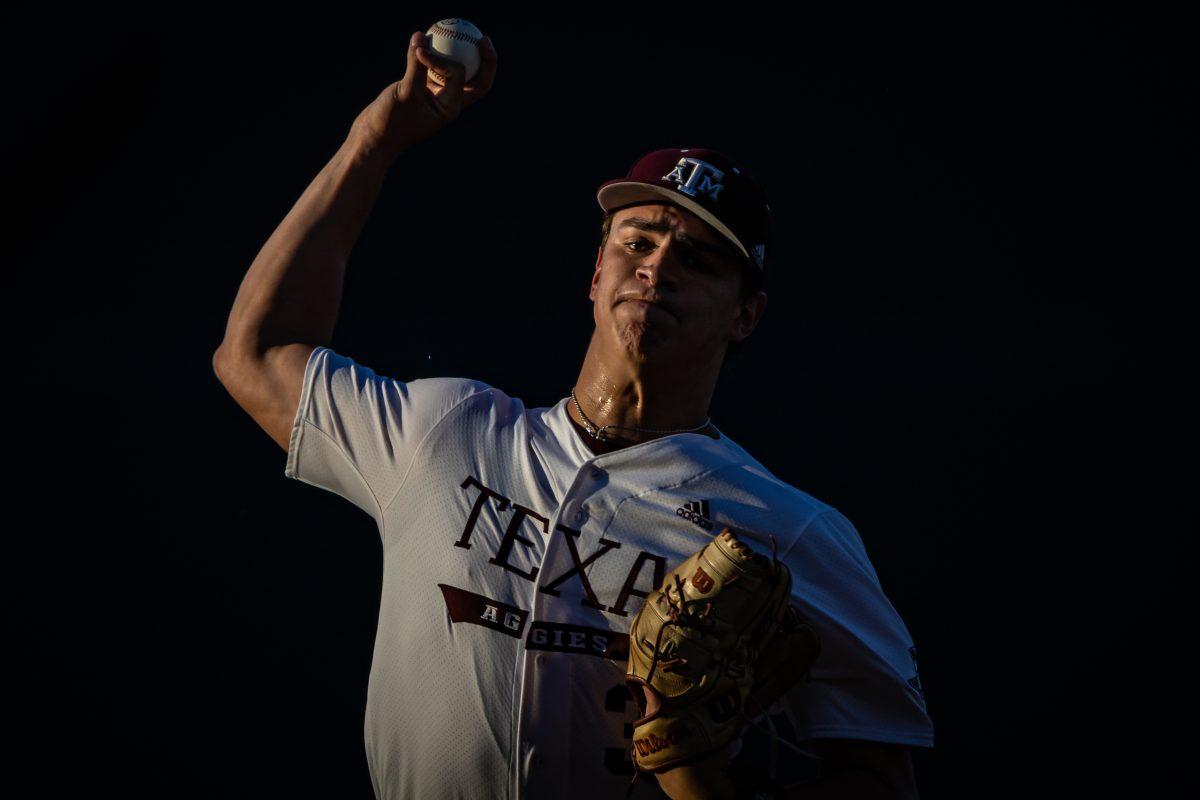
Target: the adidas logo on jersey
(697, 512)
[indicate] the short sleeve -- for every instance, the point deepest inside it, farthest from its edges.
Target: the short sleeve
(864, 684)
(355, 432)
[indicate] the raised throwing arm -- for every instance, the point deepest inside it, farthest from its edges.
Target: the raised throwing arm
(288, 301)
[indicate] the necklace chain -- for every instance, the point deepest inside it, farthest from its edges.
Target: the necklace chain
(599, 432)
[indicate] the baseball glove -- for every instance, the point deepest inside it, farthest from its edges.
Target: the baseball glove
(711, 649)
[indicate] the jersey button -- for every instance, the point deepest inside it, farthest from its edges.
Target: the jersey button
(541, 660)
(580, 516)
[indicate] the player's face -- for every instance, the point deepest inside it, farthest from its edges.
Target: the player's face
(666, 285)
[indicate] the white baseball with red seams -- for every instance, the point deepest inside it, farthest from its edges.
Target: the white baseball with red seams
(457, 39)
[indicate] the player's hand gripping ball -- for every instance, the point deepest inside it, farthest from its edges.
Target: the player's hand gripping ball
(711, 649)
(457, 39)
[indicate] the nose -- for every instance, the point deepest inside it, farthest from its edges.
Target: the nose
(662, 266)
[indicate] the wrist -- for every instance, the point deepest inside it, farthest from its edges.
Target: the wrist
(366, 146)
(753, 783)
(707, 778)
(683, 784)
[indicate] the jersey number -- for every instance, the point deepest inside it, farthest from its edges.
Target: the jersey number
(616, 759)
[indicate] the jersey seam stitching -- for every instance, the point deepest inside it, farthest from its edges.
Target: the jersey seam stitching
(677, 484)
(796, 538)
(421, 444)
(341, 451)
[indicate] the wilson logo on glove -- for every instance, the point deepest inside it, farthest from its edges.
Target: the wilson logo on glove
(653, 743)
(702, 581)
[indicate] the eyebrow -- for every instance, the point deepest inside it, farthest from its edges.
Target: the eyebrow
(643, 224)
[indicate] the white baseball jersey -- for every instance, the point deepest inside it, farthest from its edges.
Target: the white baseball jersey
(514, 560)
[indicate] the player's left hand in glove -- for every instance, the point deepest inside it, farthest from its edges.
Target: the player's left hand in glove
(710, 650)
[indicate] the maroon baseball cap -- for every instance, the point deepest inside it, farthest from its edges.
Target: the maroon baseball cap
(710, 185)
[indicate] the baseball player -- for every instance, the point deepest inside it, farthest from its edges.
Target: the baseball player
(520, 543)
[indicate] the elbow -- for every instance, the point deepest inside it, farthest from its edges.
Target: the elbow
(225, 363)
(222, 363)
(218, 363)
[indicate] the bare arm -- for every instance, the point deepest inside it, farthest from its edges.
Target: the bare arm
(851, 769)
(860, 769)
(288, 301)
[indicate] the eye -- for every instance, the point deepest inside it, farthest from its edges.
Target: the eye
(689, 258)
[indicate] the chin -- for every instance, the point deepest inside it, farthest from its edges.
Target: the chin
(644, 343)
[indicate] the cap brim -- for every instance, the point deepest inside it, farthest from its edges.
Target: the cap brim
(617, 194)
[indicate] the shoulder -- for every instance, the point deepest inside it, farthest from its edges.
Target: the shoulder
(746, 471)
(477, 407)
(792, 512)
(436, 397)
(337, 367)
(805, 525)
(453, 387)
(769, 503)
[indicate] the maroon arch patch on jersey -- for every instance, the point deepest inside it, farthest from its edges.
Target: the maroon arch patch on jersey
(475, 609)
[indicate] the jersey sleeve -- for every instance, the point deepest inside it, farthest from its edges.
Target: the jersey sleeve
(864, 684)
(355, 432)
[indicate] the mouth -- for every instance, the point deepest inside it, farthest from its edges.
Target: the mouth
(649, 304)
(637, 299)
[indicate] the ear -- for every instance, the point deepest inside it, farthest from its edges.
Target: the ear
(749, 313)
(596, 273)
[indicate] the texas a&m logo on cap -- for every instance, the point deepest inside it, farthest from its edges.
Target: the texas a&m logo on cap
(702, 177)
(707, 183)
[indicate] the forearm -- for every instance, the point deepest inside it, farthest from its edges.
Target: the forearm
(293, 289)
(846, 785)
(850, 770)
(850, 785)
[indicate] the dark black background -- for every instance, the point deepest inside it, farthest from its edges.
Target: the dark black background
(975, 347)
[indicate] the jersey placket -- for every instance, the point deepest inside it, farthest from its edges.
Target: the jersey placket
(541, 733)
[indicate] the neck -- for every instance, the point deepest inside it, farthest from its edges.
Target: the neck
(637, 395)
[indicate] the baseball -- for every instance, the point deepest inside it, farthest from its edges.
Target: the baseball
(457, 39)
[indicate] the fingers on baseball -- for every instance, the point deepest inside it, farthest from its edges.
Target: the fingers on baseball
(415, 70)
(444, 71)
(482, 82)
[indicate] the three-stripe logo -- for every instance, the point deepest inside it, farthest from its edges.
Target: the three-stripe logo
(697, 512)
